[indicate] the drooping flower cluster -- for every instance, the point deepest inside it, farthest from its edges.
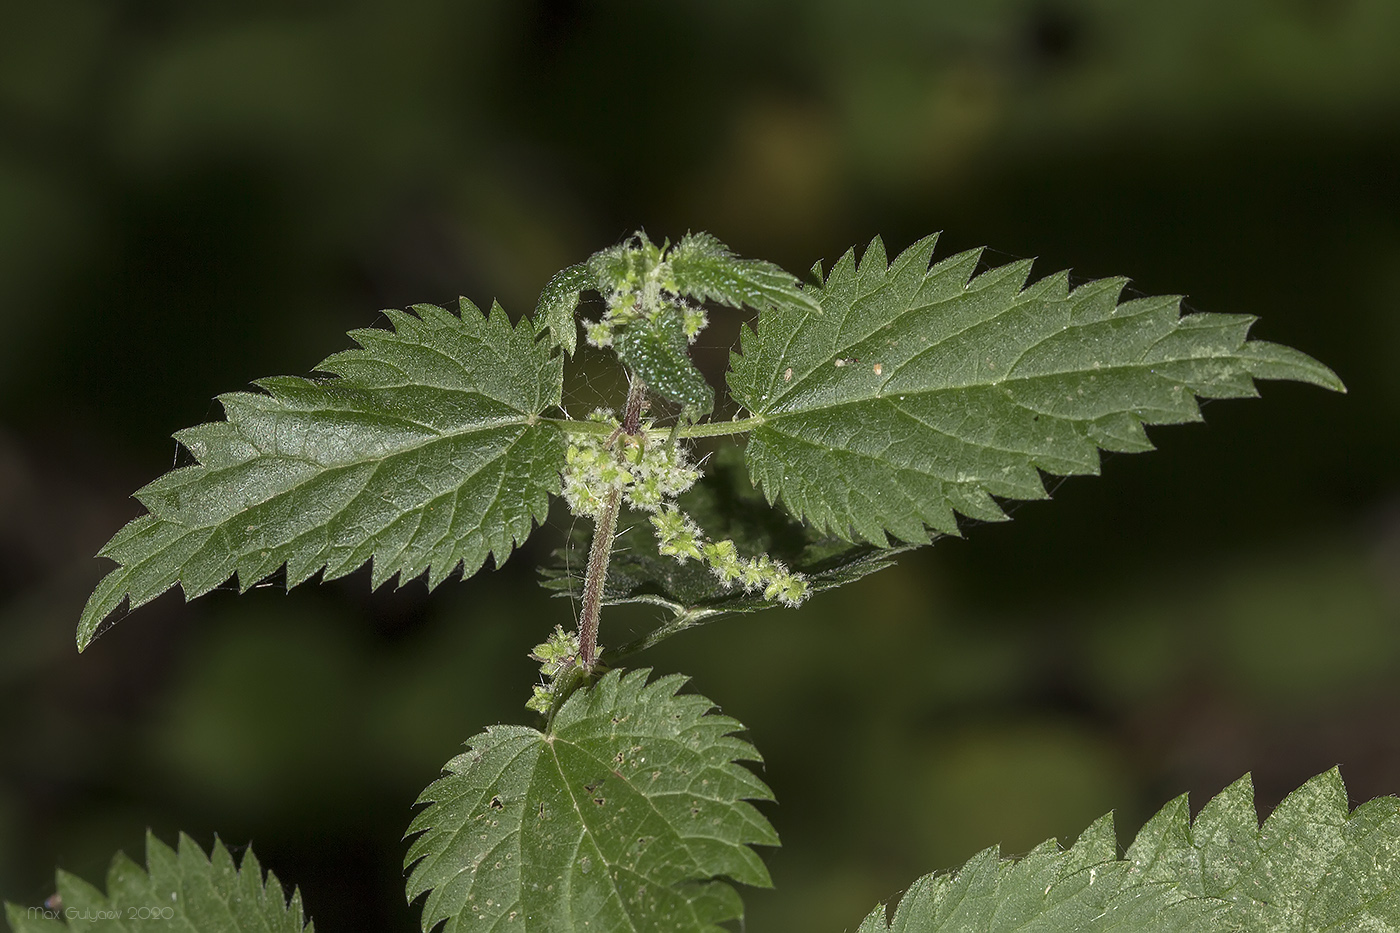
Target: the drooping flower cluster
(647, 471)
(680, 537)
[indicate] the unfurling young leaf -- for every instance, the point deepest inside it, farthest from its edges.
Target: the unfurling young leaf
(1312, 867)
(624, 815)
(704, 269)
(922, 392)
(422, 451)
(558, 302)
(178, 890)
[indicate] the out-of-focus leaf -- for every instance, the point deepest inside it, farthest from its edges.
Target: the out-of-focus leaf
(1312, 867)
(178, 890)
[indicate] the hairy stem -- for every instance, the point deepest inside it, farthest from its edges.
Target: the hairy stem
(598, 555)
(605, 526)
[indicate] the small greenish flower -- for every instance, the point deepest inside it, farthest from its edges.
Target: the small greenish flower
(693, 321)
(724, 560)
(751, 575)
(542, 699)
(611, 473)
(679, 536)
(599, 333)
(557, 652)
(793, 590)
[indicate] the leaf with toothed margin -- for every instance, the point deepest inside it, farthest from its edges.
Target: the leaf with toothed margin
(703, 268)
(178, 890)
(422, 451)
(626, 814)
(1313, 867)
(923, 392)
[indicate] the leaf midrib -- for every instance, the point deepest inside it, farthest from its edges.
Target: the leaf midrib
(378, 464)
(376, 461)
(550, 740)
(1023, 297)
(771, 415)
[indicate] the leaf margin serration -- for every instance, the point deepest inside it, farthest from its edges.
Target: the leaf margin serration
(527, 382)
(792, 354)
(1215, 874)
(241, 893)
(617, 698)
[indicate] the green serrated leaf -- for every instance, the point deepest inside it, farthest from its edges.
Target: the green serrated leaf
(1312, 867)
(725, 505)
(703, 268)
(178, 890)
(659, 353)
(624, 816)
(422, 452)
(558, 302)
(923, 392)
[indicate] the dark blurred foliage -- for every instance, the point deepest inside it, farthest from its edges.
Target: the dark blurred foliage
(194, 195)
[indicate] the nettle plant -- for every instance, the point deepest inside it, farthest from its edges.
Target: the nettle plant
(878, 403)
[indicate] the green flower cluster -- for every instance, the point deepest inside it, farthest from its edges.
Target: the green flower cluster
(682, 539)
(600, 333)
(644, 467)
(644, 289)
(556, 655)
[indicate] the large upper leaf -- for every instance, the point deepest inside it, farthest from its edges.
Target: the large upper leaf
(179, 892)
(620, 817)
(919, 392)
(423, 452)
(1312, 867)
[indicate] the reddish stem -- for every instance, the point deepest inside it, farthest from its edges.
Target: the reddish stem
(600, 552)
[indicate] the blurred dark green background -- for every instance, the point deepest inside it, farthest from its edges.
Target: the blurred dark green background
(195, 195)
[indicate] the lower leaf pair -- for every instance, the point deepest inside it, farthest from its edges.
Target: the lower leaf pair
(632, 813)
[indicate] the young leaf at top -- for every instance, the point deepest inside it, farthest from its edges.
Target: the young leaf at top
(651, 293)
(1312, 867)
(178, 890)
(624, 815)
(703, 268)
(919, 392)
(422, 451)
